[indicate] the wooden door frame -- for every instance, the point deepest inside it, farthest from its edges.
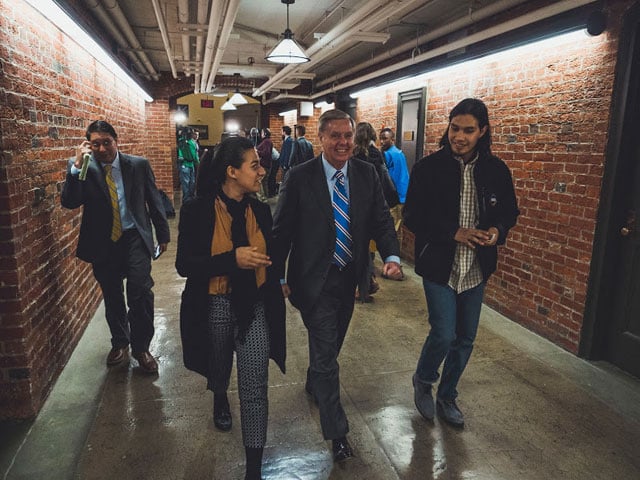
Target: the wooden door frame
(606, 245)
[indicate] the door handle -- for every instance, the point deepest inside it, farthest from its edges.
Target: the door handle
(630, 225)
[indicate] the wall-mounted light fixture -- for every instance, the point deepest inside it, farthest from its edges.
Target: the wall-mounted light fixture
(288, 50)
(53, 13)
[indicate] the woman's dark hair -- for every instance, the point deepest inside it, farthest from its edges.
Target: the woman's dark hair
(213, 167)
(102, 127)
(365, 134)
(477, 108)
(266, 133)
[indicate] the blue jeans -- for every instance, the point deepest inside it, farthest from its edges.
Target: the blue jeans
(454, 319)
(187, 181)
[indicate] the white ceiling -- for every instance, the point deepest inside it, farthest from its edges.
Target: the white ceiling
(346, 39)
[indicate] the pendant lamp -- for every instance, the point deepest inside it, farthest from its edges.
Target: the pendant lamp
(238, 99)
(288, 50)
(228, 105)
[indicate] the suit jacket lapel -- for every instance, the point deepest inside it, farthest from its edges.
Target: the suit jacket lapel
(318, 190)
(127, 174)
(355, 192)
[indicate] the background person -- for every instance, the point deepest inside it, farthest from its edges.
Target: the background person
(397, 166)
(188, 160)
(365, 149)
(232, 300)
(287, 148)
(120, 202)
(302, 148)
(265, 152)
(460, 206)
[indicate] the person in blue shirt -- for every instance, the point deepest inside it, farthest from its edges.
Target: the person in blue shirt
(397, 165)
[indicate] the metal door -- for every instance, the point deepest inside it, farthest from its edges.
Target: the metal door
(622, 346)
(410, 134)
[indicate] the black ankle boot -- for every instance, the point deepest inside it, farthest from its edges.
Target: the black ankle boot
(254, 463)
(221, 412)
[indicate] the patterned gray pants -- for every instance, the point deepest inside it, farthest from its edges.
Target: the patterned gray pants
(252, 365)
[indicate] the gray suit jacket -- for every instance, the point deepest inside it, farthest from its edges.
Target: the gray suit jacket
(143, 202)
(304, 228)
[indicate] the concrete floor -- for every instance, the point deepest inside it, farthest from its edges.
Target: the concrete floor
(533, 411)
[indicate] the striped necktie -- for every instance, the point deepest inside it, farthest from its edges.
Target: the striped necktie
(342, 254)
(116, 227)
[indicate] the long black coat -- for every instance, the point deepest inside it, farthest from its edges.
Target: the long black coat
(194, 261)
(143, 203)
(304, 226)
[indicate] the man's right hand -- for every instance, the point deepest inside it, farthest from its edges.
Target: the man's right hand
(84, 148)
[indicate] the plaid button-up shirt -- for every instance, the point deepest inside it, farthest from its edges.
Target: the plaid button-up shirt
(466, 272)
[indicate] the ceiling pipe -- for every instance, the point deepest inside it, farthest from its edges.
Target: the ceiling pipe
(247, 70)
(256, 35)
(476, 16)
(229, 19)
(183, 18)
(201, 18)
(524, 20)
(327, 16)
(366, 18)
(165, 36)
(215, 15)
(107, 23)
(344, 41)
(123, 24)
(286, 96)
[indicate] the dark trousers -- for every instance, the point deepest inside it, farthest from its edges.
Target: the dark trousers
(327, 323)
(271, 179)
(128, 258)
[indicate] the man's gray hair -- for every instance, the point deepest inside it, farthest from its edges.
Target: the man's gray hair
(331, 115)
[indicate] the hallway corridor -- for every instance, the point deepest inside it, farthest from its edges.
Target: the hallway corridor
(533, 411)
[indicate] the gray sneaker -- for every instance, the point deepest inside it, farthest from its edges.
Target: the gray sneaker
(423, 398)
(450, 413)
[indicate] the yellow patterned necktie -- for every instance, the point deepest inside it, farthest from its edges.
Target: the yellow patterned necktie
(116, 228)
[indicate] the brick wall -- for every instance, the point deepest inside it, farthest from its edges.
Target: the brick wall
(549, 109)
(50, 90)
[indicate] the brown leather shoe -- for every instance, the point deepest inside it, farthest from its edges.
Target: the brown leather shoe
(117, 356)
(147, 362)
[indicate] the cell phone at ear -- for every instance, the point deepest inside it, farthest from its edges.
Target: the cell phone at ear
(157, 251)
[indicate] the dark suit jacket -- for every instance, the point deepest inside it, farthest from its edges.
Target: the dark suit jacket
(194, 261)
(143, 203)
(304, 226)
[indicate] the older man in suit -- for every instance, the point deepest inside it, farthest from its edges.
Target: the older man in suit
(120, 200)
(328, 210)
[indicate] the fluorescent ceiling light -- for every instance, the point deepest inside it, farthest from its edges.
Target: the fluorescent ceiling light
(552, 43)
(373, 37)
(52, 12)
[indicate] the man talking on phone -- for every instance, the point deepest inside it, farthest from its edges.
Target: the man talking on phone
(120, 202)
